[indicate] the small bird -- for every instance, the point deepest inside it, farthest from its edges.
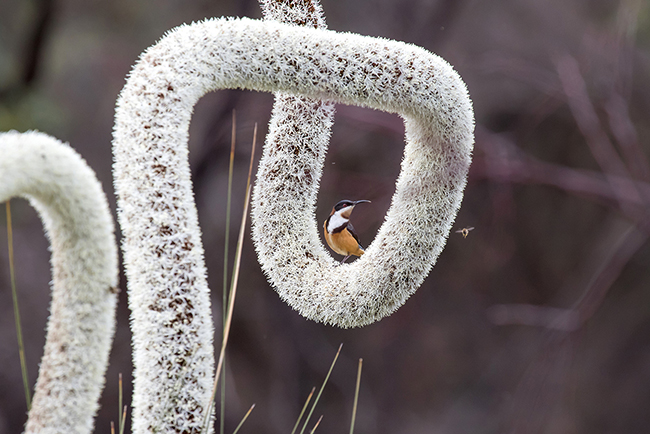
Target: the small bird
(339, 232)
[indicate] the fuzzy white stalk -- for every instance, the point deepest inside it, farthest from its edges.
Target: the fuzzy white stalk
(425, 203)
(73, 207)
(162, 246)
(308, 13)
(303, 123)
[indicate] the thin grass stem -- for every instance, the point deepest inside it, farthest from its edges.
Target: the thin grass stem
(233, 290)
(14, 296)
(121, 414)
(244, 419)
(313, 430)
(321, 390)
(224, 303)
(123, 420)
(304, 407)
(119, 401)
(356, 397)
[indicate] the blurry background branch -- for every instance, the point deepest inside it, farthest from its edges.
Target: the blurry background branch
(34, 38)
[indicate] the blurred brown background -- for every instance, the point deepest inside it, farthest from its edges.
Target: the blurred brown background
(537, 322)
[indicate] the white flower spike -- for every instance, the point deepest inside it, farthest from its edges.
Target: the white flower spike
(74, 210)
(426, 201)
(162, 246)
(152, 178)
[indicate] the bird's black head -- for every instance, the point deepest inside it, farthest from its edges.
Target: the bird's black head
(343, 204)
(345, 207)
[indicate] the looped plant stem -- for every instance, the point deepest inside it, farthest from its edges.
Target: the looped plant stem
(159, 219)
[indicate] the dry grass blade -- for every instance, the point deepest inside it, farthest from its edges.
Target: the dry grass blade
(233, 290)
(228, 201)
(356, 397)
(244, 419)
(313, 430)
(119, 402)
(121, 414)
(224, 303)
(321, 390)
(123, 420)
(14, 297)
(304, 407)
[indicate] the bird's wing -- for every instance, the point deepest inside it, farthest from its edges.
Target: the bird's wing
(354, 234)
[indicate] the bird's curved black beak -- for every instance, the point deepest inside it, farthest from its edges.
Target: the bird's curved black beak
(361, 201)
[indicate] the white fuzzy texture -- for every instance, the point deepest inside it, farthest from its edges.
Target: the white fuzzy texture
(433, 100)
(74, 210)
(162, 246)
(308, 13)
(336, 221)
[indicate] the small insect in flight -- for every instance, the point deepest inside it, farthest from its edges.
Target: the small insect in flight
(339, 232)
(465, 231)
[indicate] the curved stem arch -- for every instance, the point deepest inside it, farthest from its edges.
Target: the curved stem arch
(79, 226)
(152, 175)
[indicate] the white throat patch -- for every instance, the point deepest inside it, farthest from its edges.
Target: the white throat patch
(336, 221)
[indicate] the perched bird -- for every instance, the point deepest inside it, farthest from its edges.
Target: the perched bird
(339, 232)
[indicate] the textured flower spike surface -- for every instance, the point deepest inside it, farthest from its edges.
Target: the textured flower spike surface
(74, 210)
(151, 170)
(162, 246)
(433, 100)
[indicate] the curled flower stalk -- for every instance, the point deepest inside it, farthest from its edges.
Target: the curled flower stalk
(304, 123)
(299, 120)
(426, 200)
(158, 215)
(79, 226)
